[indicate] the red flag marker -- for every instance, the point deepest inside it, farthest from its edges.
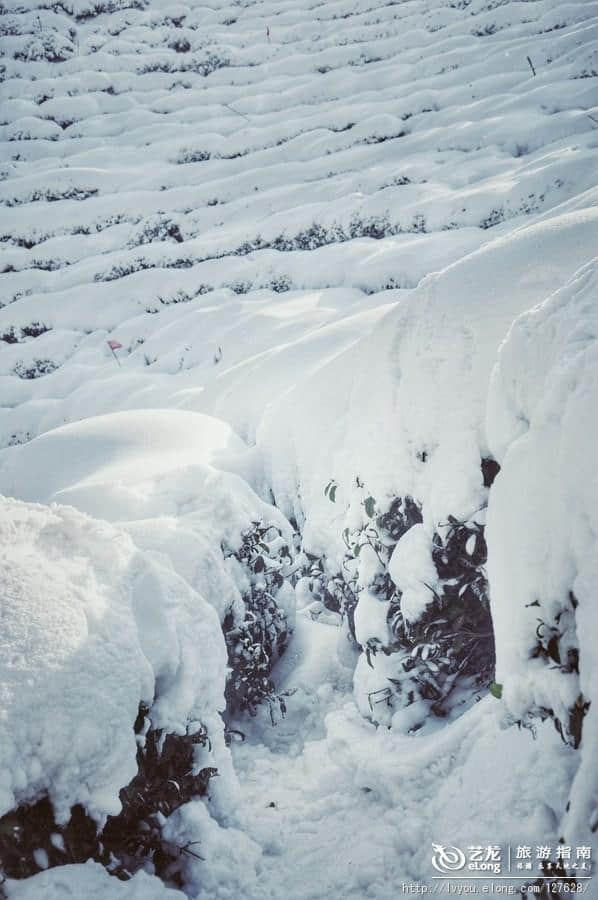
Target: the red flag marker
(114, 345)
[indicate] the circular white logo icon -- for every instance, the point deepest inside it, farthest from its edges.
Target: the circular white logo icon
(447, 859)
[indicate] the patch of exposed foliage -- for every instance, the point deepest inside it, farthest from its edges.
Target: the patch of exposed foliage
(167, 777)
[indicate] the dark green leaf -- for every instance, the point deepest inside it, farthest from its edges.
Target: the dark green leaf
(552, 648)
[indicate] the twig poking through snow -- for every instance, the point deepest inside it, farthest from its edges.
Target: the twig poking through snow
(236, 111)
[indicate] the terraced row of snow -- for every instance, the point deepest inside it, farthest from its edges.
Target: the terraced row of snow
(363, 235)
(201, 190)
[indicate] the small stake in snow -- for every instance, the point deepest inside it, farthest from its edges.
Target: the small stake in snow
(268, 33)
(114, 345)
(531, 65)
(236, 111)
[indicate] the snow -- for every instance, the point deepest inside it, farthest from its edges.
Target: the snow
(413, 571)
(356, 248)
(105, 465)
(353, 811)
(370, 618)
(90, 881)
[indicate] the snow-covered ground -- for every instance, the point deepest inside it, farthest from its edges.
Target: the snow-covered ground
(348, 244)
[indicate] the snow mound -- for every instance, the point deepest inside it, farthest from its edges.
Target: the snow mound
(91, 628)
(230, 856)
(90, 881)
(106, 464)
(151, 471)
(543, 523)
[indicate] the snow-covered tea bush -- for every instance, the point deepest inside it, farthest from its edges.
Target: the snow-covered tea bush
(168, 776)
(37, 369)
(438, 648)
(112, 678)
(453, 639)
(47, 46)
(157, 228)
(257, 636)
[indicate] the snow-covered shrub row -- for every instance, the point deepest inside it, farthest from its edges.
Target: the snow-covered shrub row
(542, 526)
(403, 413)
(50, 47)
(79, 9)
(167, 777)
(51, 195)
(140, 715)
(253, 558)
(34, 235)
(159, 229)
(28, 331)
(202, 66)
(121, 631)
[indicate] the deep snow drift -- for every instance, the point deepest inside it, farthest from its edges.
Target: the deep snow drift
(345, 255)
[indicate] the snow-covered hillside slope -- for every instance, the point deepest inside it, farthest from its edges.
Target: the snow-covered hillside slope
(201, 191)
(346, 254)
